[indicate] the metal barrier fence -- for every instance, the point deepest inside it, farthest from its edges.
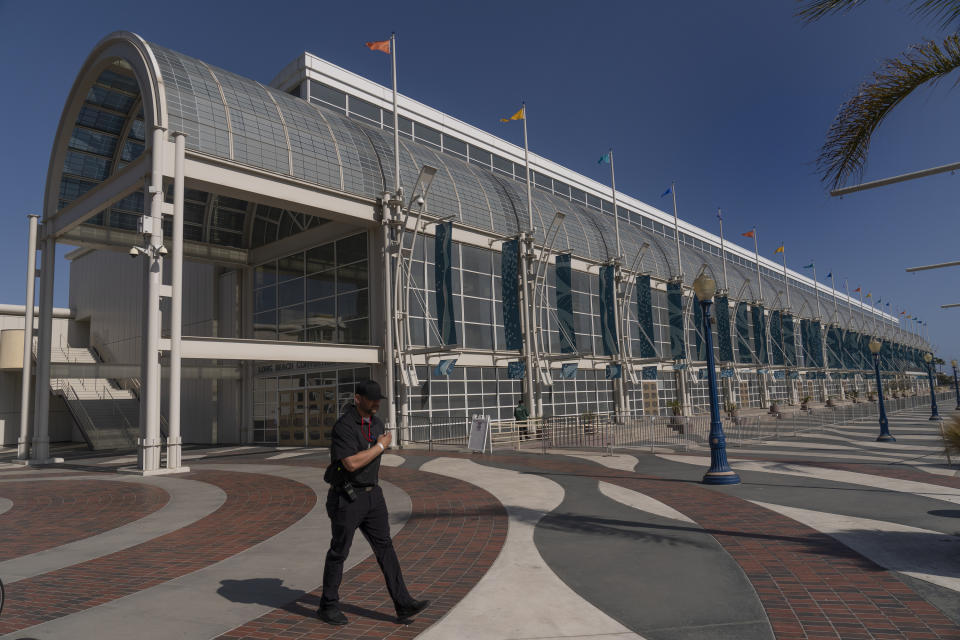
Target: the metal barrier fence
(679, 433)
(436, 432)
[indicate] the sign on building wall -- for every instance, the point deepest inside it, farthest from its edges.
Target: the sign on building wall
(509, 269)
(645, 318)
(443, 271)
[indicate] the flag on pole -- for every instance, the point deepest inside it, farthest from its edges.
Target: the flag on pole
(879, 300)
(719, 215)
(808, 266)
(379, 45)
(519, 115)
(604, 159)
(748, 234)
(904, 313)
(857, 290)
(665, 192)
(779, 250)
(869, 295)
(830, 275)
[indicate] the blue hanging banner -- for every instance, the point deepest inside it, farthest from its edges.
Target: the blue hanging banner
(811, 375)
(675, 313)
(851, 347)
(816, 340)
(834, 346)
(743, 334)
(649, 373)
(569, 370)
(443, 271)
(721, 310)
(568, 335)
(614, 371)
(608, 317)
(699, 338)
(794, 375)
(789, 342)
(760, 334)
(776, 337)
(726, 373)
(645, 317)
(510, 274)
(444, 367)
(516, 370)
(779, 374)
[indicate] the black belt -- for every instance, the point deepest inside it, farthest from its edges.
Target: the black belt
(367, 489)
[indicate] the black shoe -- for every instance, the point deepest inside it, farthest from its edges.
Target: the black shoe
(412, 609)
(332, 615)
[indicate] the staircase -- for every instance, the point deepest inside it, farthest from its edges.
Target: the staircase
(108, 417)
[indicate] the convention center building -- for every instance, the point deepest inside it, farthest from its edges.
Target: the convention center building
(242, 257)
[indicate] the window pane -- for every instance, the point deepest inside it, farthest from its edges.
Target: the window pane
(352, 249)
(327, 94)
(454, 145)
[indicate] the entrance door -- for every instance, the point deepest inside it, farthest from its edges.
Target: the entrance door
(292, 417)
(321, 415)
(651, 403)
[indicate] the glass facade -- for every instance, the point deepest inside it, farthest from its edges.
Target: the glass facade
(320, 295)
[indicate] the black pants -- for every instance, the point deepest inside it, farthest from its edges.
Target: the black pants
(368, 513)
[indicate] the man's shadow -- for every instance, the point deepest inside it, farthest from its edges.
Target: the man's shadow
(271, 592)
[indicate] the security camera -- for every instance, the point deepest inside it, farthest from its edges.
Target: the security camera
(162, 250)
(418, 201)
(134, 252)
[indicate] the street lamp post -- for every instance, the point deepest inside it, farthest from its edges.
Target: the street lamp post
(934, 414)
(720, 471)
(875, 346)
(956, 385)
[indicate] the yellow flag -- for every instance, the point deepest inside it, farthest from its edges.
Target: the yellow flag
(779, 249)
(869, 295)
(519, 115)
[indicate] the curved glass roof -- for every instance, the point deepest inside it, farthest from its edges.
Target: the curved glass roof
(238, 119)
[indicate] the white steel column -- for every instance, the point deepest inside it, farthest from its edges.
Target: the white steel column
(174, 441)
(23, 443)
(41, 411)
(150, 442)
(527, 253)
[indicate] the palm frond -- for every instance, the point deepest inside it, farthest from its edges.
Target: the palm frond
(848, 140)
(816, 9)
(946, 12)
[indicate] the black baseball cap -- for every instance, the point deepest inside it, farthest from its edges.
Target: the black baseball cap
(370, 390)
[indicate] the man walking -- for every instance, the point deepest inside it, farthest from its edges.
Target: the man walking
(355, 501)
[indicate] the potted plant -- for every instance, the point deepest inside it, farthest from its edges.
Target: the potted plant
(731, 409)
(872, 396)
(854, 394)
(805, 403)
(831, 401)
(675, 409)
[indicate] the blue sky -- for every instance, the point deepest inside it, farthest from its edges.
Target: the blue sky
(730, 100)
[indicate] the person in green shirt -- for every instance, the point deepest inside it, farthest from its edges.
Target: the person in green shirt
(520, 414)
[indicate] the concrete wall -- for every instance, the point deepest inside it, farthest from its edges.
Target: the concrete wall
(106, 290)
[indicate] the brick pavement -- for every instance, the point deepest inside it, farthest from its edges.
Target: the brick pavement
(454, 535)
(257, 507)
(812, 586)
(51, 513)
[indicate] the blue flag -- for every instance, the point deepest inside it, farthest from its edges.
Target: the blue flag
(444, 368)
(604, 159)
(665, 192)
(719, 214)
(830, 275)
(808, 266)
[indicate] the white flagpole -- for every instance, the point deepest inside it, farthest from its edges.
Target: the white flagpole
(846, 285)
(389, 338)
(676, 230)
(786, 281)
(613, 194)
(723, 251)
(528, 311)
(756, 252)
(396, 116)
(526, 159)
(833, 288)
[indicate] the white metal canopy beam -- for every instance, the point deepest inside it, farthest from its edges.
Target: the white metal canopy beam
(125, 182)
(90, 370)
(121, 240)
(227, 178)
(270, 350)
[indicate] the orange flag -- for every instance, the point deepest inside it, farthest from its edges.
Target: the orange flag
(748, 234)
(380, 45)
(856, 290)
